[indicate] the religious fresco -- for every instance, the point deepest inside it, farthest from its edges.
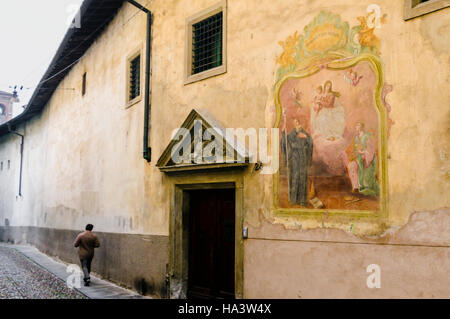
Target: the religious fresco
(332, 118)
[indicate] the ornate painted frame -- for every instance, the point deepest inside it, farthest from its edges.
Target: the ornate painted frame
(338, 59)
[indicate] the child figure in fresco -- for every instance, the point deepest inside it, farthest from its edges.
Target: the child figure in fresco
(329, 96)
(317, 103)
(361, 162)
(352, 77)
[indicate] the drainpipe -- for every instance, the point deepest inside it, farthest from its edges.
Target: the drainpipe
(147, 151)
(21, 156)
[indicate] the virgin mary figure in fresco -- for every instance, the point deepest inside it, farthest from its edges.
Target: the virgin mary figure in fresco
(361, 162)
(328, 116)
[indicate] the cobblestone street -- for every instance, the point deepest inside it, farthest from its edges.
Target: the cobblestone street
(20, 278)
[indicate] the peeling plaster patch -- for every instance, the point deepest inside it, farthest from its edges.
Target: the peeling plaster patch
(176, 289)
(423, 228)
(360, 227)
(426, 228)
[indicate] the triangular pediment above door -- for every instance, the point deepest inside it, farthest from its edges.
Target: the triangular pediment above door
(196, 124)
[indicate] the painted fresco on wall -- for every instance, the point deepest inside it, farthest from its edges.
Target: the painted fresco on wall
(332, 118)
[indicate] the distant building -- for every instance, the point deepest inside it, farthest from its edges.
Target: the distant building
(6, 106)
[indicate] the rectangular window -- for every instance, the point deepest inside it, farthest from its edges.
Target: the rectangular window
(206, 44)
(83, 85)
(416, 8)
(135, 78)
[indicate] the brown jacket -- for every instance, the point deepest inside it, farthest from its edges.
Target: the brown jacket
(86, 242)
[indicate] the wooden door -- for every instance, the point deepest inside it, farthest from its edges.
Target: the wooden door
(211, 243)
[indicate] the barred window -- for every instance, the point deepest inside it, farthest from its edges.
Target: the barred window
(417, 8)
(83, 85)
(135, 78)
(207, 43)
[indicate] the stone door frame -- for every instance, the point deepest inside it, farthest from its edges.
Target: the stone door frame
(178, 232)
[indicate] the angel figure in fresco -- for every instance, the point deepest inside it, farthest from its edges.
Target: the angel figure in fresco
(328, 118)
(297, 147)
(297, 96)
(361, 162)
(366, 35)
(352, 77)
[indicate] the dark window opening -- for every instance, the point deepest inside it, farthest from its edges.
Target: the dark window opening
(83, 86)
(9, 164)
(417, 2)
(207, 43)
(135, 78)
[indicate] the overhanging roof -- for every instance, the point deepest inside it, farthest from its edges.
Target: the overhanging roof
(95, 16)
(3, 93)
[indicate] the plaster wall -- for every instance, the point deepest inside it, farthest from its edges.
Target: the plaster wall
(74, 170)
(415, 58)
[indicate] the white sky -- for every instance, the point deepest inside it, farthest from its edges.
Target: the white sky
(30, 33)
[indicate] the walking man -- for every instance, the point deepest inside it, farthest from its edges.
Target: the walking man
(87, 242)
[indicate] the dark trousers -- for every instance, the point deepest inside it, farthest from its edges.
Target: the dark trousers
(86, 266)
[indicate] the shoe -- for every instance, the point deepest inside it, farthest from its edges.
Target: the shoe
(86, 283)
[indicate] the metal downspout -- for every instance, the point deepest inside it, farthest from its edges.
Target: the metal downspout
(147, 151)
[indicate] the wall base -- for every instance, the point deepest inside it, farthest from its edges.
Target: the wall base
(135, 261)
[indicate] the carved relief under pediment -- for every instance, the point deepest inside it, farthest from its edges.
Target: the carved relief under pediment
(202, 143)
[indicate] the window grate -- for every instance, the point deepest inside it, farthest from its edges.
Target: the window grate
(135, 78)
(83, 86)
(415, 3)
(207, 43)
